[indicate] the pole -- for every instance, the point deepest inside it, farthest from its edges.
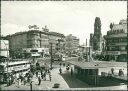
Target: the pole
(86, 51)
(89, 53)
(51, 55)
(31, 86)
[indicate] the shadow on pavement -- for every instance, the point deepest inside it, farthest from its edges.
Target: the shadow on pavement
(73, 82)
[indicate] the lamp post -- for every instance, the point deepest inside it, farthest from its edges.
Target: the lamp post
(30, 85)
(51, 54)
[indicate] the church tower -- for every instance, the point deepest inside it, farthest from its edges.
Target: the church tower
(97, 34)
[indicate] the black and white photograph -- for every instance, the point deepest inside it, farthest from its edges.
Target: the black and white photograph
(63, 45)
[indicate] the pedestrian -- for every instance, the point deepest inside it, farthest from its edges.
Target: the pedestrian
(42, 75)
(21, 77)
(60, 64)
(9, 79)
(121, 73)
(39, 80)
(112, 70)
(12, 77)
(18, 82)
(60, 70)
(71, 71)
(67, 68)
(25, 80)
(36, 73)
(50, 76)
(64, 64)
(48, 71)
(45, 76)
(28, 79)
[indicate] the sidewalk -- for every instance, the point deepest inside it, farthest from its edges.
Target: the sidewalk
(45, 85)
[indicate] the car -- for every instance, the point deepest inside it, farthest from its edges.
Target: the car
(56, 85)
(122, 83)
(73, 55)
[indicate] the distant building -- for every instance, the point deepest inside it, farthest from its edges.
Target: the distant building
(116, 42)
(35, 41)
(82, 48)
(4, 47)
(57, 40)
(71, 44)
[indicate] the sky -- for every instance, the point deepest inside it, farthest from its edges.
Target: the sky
(67, 17)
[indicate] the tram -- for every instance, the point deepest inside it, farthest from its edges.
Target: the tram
(13, 68)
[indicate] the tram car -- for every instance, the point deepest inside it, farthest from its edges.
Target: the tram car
(13, 68)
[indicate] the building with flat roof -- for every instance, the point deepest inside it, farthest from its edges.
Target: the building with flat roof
(94, 72)
(35, 41)
(71, 44)
(116, 42)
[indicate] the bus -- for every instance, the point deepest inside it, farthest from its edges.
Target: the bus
(13, 68)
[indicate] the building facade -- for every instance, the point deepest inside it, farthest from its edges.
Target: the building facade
(32, 41)
(116, 42)
(71, 44)
(4, 47)
(58, 41)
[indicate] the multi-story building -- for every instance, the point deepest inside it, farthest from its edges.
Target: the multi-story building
(71, 44)
(57, 40)
(34, 40)
(116, 42)
(4, 47)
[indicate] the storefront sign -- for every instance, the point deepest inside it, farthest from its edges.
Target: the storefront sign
(113, 53)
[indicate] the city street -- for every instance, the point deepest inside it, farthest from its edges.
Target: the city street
(56, 78)
(65, 80)
(63, 46)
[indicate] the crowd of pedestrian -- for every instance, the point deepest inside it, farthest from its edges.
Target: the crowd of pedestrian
(40, 74)
(23, 79)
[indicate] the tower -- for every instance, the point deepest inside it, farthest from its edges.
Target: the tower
(97, 34)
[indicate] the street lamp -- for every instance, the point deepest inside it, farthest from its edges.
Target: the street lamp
(31, 85)
(51, 54)
(51, 42)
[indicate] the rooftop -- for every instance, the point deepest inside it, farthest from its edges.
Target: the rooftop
(38, 31)
(98, 64)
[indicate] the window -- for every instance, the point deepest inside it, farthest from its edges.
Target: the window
(122, 48)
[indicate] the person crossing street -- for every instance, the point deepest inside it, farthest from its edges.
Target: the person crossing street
(50, 76)
(39, 80)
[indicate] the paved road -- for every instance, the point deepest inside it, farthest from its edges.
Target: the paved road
(72, 81)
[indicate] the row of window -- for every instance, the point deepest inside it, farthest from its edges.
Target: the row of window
(19, 71)
(117, 48)
(17, 64)
(37, 46)
(117, 40)
(115, 31)
(38, 35)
